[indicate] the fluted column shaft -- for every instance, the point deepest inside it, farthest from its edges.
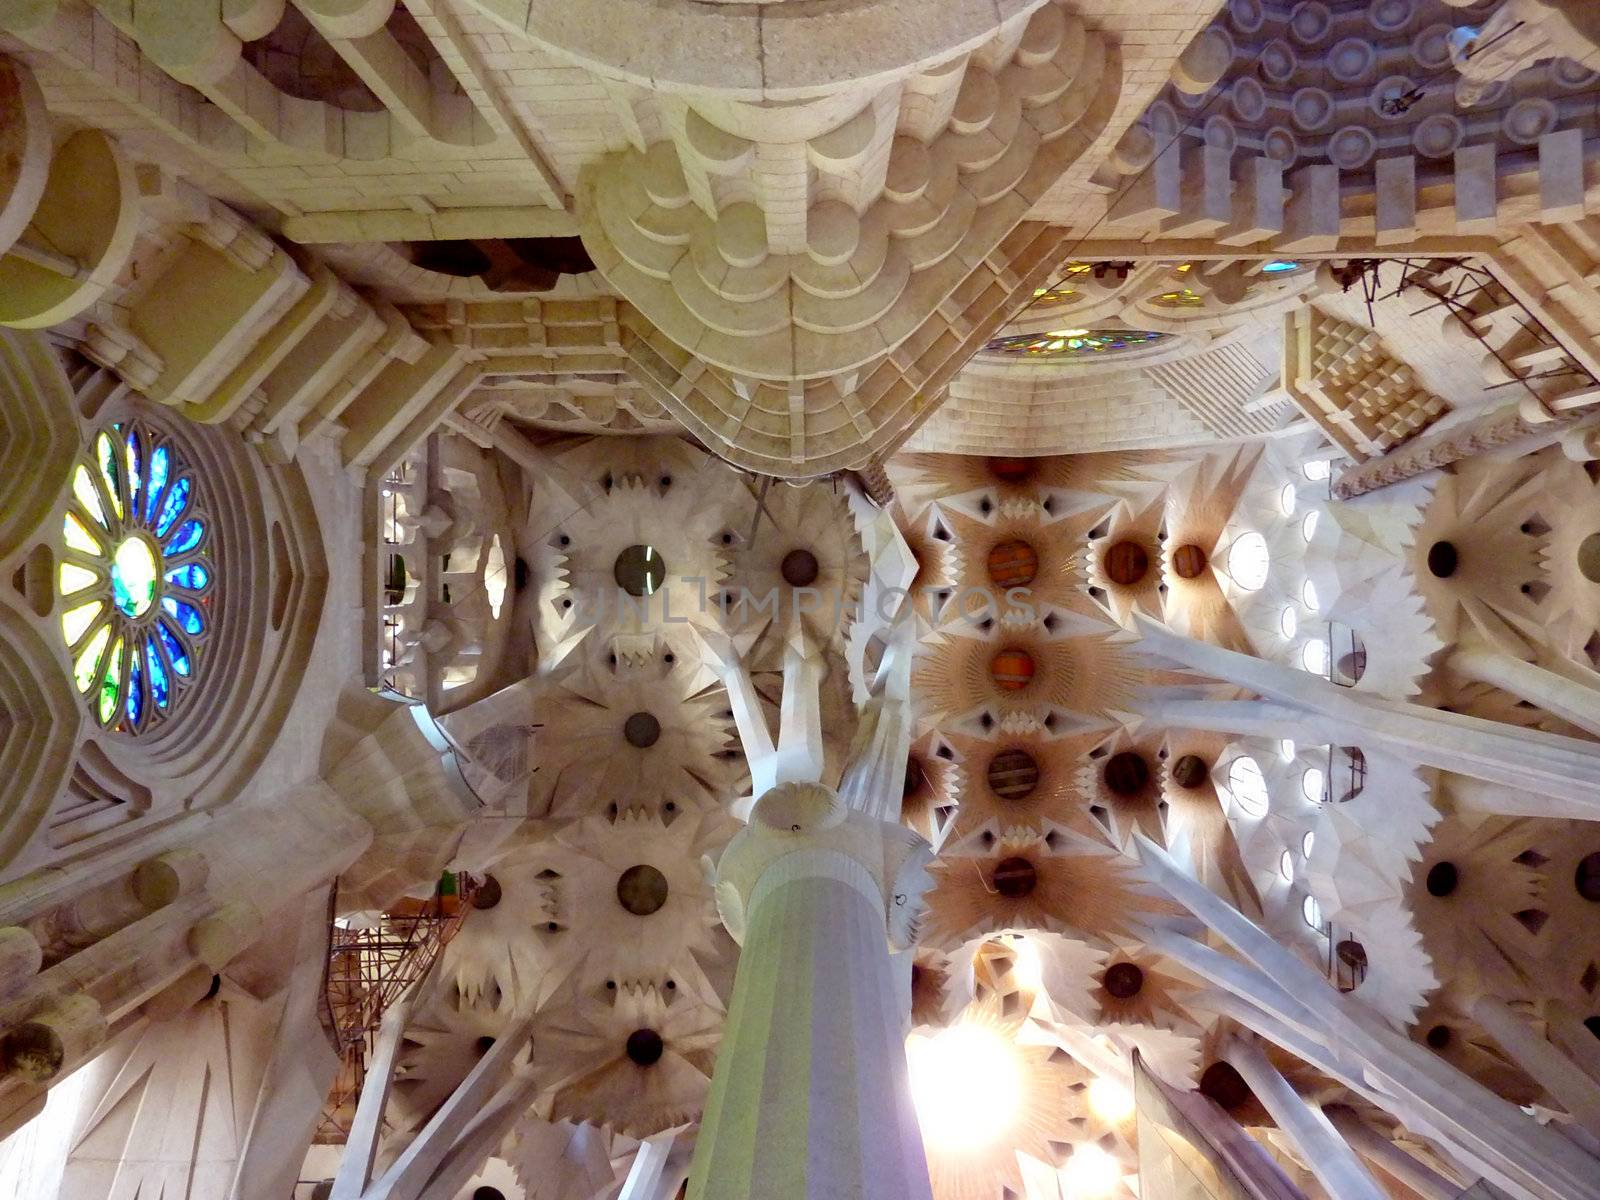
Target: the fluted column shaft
(1556, 694)
(810, 1098)
(1331, 1160)
(1415, 1174)
(1549, 1067)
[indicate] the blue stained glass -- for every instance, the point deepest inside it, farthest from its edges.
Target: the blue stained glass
(187, 615)
(192, 576)
(135, 702)
(177, 500)
(187, 537)
(176, 654)
(160, 463)
(159, 688)
(1272, 268)
(134, 473)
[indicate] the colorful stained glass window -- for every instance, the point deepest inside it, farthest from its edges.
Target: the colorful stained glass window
(136, 577)
(1074, 343)
(1279, 266)
(1182, 298)
(1060, 294)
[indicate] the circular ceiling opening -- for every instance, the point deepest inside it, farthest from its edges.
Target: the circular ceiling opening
(1127, 563)
(1443, 559)
(1438, 1037)
(642, 890)
(645, 1047)
(484, 1045)
(1011, 469)
(1013, 774)
(799, 568)
(1015, 878)
(1127, 773)
(1189, 561)
(1012, 669)
(1013, 564)
(487, 894)
(1124, 980)
(1589, 558)
(1190, 771)
(1442, 879)
(641, 730)
(1587, 877)
(639, 570)
(1223, 1083)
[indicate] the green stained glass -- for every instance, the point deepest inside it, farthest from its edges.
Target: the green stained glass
(111, 684)
(83, 671)
(110, 470)
(1074, 343)
(135, 539)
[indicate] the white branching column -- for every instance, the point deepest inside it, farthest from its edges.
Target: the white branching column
(810, 1098)
(1526, 761)
(1569, 699)
(1331, 1159)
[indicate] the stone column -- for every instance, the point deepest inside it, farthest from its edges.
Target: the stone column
(810, 1099)
(1552, 1070)
(1512, 757)
(1379, 1150)
(1483, 797)
(1558, 695)
(1331, 1160)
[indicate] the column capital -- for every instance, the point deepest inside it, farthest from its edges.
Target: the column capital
(804, 830)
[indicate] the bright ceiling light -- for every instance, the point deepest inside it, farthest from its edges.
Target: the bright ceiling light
(965, 1083)
(1110, 1100)
(1027, 968)
(1090, 1172)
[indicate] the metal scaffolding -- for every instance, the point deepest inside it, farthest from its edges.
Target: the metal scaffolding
(367, 970)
